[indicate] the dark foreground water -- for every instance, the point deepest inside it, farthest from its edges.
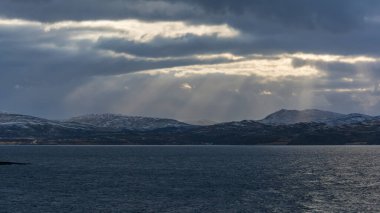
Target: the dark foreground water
(190, 179)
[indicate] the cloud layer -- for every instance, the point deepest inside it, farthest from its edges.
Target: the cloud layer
(220, 60)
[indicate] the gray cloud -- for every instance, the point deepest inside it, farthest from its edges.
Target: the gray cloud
(166, 47)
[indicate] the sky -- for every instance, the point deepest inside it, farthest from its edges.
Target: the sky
(219, 60)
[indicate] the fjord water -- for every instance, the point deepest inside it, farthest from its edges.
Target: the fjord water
(190, 179)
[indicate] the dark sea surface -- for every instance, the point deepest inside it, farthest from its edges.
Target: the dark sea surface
(190, 179)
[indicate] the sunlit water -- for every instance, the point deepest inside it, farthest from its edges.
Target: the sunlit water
(190, 179)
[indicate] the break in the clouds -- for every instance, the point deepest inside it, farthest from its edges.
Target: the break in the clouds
(200, 59)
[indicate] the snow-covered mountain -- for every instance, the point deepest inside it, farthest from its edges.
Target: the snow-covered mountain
(285, 117)
(114, 121)
(15, 127)
(26, 121)
(349, 119)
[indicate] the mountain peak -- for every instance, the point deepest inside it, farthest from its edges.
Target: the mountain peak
(285, 116)
(202, 122)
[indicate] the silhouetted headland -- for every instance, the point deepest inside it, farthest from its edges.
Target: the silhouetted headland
(3, 163)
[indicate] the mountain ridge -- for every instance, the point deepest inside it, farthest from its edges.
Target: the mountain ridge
(308, 127)
(118, 121)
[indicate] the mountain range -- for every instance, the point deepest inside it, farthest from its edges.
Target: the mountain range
(308, 127)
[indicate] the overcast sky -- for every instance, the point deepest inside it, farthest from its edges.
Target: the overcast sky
(189, 59)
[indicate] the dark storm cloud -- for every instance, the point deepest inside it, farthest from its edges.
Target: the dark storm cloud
(29, 52)
(46, 64)
(53, 10)
(324, 26)
(38, 69)
(334, 15)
